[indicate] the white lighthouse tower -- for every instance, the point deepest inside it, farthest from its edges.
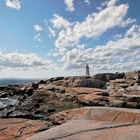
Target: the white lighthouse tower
(87, 71)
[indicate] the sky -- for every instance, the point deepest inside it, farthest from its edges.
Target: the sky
(49, 38)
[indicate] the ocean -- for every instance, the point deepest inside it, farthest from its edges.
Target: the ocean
(6, 82)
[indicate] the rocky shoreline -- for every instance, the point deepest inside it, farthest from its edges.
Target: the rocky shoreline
(30, 108)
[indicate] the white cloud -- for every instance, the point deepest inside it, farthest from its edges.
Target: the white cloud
(23, 61)
(59, 22)
(128, 21)
(69, 4)
(14, 4)
(120, 55)
(94, 25)
(115, 55)
(38, 28)
(88, 2)
(111, 3)
(28, 65)
(99, 8)
(37, 37)
(118, 36)
(52, 32)
(133, 31)
(107, 3)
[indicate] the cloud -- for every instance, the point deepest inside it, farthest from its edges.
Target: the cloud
(69, 4)
(59, 22)
(37, 37)
(52, 32)
(88, 2)
(94, 25)
(107, 3)
(23, 61)
(133, 31)
(111, 3)
(14, 4)
(27, 65)
(128, 21)
(99, 8)
(119, 55)
(38, 28)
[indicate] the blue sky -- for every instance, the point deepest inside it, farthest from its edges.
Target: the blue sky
(46, 38)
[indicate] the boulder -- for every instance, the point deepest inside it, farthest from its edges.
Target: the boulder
(117, 102)
(46, 101)
(34, 86)
(104, 77)
(55, 88)
(2, 88)
(120, 75)
(133, 75)
(5, 102)
(132, 98)
(42, 82)
(82, 90)
(86, 83)
(34, 102)
(92, 100)
(56, 79)
(4, 94)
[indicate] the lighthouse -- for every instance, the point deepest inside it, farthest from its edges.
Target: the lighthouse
(87, 71)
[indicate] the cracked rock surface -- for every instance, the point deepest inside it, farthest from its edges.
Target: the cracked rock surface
(90, 123)
(20, 129)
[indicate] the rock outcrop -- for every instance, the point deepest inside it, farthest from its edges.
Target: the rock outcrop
(86, 82)
(39, 100)
(93, 123)
(45, 99)
(133, 75)
(104, 77)
(20, 129)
